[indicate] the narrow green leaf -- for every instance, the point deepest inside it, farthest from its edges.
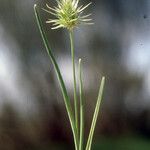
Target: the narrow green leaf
(81, 108)
(59, 76)
(95, 116)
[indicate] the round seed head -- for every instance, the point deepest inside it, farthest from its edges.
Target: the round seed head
(68, 14)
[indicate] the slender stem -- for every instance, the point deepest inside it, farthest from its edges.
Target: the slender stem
(81, 108)
(74, 80)
(60, 79)
(95, 116)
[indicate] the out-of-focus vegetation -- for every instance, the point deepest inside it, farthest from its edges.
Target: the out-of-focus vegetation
(124, 143)
(116, 46)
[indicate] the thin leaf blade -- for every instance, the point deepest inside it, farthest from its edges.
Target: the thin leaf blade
(95, 116)
(59, 76)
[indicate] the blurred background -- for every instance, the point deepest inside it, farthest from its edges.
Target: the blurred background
(32, 112)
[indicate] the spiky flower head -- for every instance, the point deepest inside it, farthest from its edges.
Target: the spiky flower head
(68, 14)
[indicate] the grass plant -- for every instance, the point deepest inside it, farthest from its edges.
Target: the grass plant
(69, 15)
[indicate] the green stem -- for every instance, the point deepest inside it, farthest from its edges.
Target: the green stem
(81, 108)
(95, 116)
(74, 80)
(59, 76)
